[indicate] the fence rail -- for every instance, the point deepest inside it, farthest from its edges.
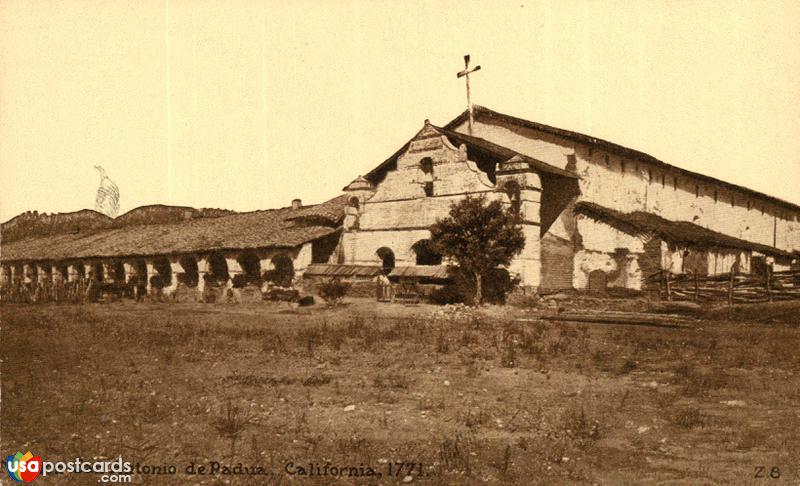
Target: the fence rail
(727, 287)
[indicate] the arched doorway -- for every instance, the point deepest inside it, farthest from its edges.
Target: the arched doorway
(387, 258)
(164, 273)
(63, 271)
(251, 267)
(217, 268)
(99, 274)
(190, 276)
(118, 271)
(283, 274)
(426, 255)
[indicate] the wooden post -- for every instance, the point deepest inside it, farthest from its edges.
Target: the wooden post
(696, 289)
(730, 288)
(769, 283)
(666, 284)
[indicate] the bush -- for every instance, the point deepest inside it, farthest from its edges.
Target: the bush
(333, 291)
(497, 284)
(446, 295)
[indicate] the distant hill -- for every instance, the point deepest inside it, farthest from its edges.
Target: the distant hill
(33, 223)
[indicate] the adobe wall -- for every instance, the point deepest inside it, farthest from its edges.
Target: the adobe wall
(630, 185)
(599, 251)
(400, 213)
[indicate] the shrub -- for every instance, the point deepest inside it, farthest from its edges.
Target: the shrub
(446, 295)
(578, 424)
(333, 291)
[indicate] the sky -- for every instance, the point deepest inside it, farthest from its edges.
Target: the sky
(246, 105)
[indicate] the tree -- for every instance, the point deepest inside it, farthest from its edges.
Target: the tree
(479, 237)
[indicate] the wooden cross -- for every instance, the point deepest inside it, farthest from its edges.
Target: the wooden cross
(465, 74)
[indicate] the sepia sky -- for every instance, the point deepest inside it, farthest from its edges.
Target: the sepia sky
(246, 105)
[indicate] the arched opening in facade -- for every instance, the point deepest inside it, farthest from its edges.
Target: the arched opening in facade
(163, 277)
(118, 271)
(353, 202)
(217, 268)
(251, 267)
(283, 274)
(97, 271)
(19, 271)
(80, 269)
(47, 270)
(387, 259)
(426, 255)
(63, 271)
(140, 267)
(190, 276)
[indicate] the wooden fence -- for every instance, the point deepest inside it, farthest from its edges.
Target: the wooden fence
(727, 287)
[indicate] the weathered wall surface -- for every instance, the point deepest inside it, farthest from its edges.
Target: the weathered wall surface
(607, 250)
(629, 185)
(400, 213)
(360, 247)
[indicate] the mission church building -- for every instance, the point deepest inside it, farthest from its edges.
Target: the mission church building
(595, 215)
(593, 212)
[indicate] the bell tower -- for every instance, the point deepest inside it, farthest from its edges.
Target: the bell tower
(522, 190)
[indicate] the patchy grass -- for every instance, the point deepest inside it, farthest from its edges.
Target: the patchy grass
(468, 397)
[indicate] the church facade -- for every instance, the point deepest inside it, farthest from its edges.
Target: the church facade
(595, 215)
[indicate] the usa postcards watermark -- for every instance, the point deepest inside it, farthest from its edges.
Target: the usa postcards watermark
(27, 467)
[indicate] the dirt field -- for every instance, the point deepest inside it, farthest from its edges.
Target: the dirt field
(460, 397)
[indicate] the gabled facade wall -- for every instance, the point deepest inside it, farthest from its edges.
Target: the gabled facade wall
(399, 212)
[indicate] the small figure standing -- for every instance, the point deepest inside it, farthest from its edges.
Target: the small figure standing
(384, 288)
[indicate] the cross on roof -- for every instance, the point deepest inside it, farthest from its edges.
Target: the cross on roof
(465, 74)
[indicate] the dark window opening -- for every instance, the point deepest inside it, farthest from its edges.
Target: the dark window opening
(353, 202)
(513, 192)
(426, 255)
(426, 165)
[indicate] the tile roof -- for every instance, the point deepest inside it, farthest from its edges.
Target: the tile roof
(682, 232)
(276, 228)
(342, 270)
